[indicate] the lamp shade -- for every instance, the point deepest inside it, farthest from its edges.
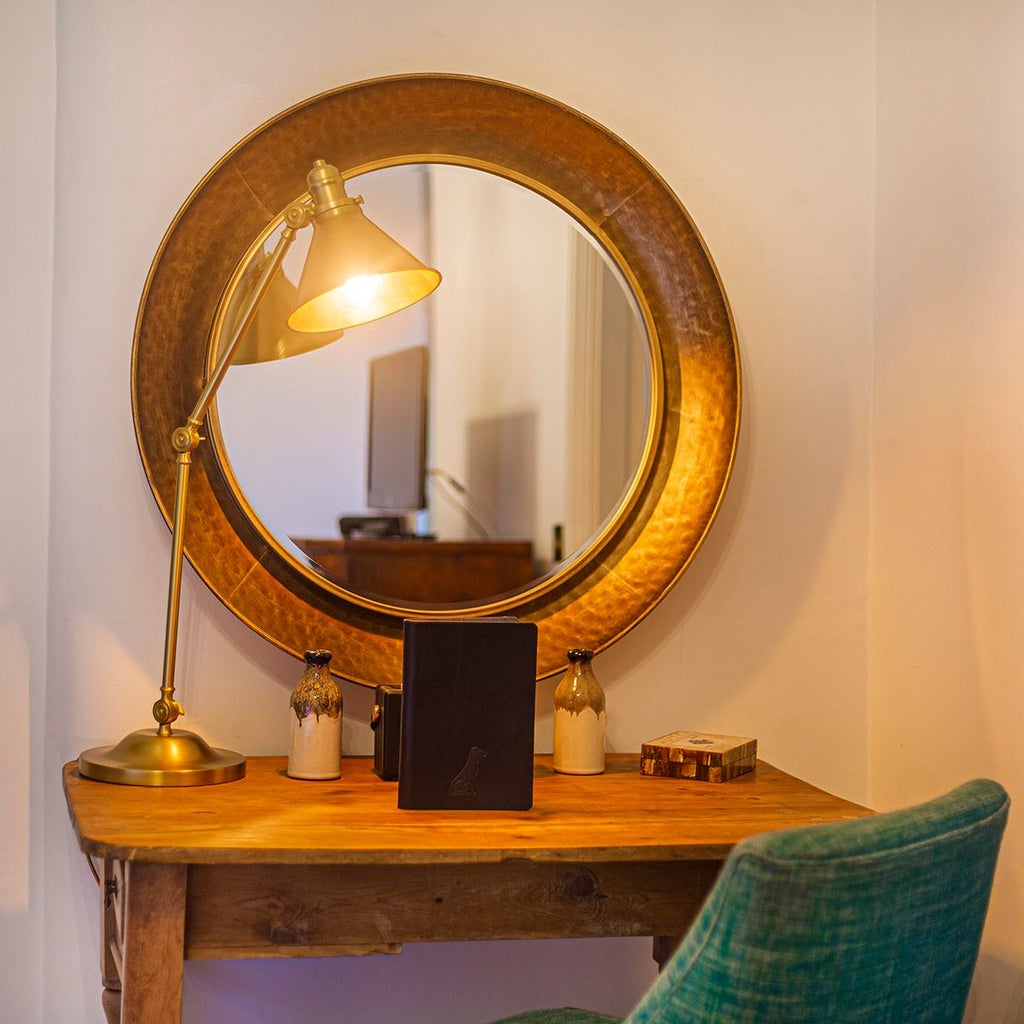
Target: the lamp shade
(355, 272)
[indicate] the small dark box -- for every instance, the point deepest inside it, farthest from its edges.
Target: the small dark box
(386, 724)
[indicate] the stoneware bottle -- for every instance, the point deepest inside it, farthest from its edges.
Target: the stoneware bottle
(314, 745)
(579, 718)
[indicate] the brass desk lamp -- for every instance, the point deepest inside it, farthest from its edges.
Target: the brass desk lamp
(354, 274)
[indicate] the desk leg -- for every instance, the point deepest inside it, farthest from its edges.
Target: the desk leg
(111, 937)
(664, 947)
(143, 942)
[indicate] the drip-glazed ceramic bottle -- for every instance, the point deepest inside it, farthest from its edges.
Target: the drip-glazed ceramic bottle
(579, 718)
(314, 745)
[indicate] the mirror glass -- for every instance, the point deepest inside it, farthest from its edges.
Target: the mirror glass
(471, 444)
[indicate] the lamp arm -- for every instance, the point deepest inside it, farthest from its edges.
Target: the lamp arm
(184, 441)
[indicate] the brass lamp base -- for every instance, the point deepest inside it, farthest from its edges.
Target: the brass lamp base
(145, 758)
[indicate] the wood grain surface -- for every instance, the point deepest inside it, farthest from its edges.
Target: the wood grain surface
(267, 818)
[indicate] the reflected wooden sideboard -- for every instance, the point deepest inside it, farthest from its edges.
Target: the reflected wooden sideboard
(417, 569)
(273, 867)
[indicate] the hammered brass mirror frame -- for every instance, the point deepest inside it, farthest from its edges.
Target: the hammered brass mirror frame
(595, 177)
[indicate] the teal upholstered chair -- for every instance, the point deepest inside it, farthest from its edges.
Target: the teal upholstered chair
(874, 920)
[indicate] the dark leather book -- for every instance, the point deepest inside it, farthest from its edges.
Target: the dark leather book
(468, 690)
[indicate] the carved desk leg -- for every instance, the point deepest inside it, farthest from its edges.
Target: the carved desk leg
(112, 937)
(143, 942)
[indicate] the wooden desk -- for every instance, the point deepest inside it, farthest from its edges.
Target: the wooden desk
(434, 571)
(272, 867)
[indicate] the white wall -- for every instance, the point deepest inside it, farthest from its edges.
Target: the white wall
(762, 117)
(27, 83)
(947, 580)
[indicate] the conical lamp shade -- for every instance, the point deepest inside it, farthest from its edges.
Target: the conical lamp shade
(269, 337)
(356, 273)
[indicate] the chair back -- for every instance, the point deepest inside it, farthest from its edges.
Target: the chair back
(875, 920)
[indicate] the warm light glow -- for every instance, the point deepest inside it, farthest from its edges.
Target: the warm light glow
(362, 293)
(363, 298)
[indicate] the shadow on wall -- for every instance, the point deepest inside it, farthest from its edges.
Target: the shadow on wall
(429, 983)
(1003, 986)
(502, 471)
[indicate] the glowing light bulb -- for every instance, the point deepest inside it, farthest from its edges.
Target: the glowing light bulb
(362, 293)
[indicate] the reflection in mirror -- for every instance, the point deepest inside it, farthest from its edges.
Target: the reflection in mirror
(470, 444)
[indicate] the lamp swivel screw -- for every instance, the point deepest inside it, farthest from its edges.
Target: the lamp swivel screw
(185, 439)
(298, 215)
(165, 711)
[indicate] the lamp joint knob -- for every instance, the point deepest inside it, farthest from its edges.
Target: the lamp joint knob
(185, 439)
(166, 711)
(298, 214)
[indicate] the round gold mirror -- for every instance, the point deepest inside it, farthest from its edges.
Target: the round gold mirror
(624, 566)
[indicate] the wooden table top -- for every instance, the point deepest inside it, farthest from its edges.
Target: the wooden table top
(268, 818)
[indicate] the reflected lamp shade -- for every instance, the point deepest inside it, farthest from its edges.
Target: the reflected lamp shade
(269, 337)
(355, 272)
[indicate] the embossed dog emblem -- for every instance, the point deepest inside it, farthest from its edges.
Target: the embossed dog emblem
(464, 784)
